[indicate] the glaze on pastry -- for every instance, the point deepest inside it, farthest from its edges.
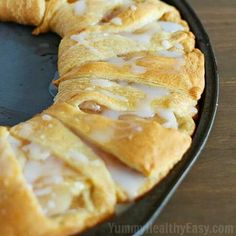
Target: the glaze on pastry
(129, 82)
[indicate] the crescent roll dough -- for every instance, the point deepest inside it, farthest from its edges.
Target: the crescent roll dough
(175, 71)
(129, 82)
(29, 12)
(66, 16)
(117, 99)
(138, 143)
(57, 181)
(103, 15)
(85, 47)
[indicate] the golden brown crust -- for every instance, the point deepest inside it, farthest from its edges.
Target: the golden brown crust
(125, 140)
(99, 15)
(126, 96)
(98, 46)
(133, 60)
(185, 74)
(60, 11)
(16, 199)
(16, 191)
(29, 12)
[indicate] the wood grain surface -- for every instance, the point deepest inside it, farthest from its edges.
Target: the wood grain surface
(208, 194)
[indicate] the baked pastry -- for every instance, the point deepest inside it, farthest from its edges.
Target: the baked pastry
(28, 12)
(171, 69)
(62, 186)
(140, 144)
(109, 15)
(119, 99)
(77, 15)
(129, 82)
(76, 50)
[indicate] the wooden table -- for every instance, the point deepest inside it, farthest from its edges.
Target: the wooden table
(208, 194)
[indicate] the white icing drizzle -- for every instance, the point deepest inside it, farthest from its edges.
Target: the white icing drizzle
(103, 83)
(51, 204)
(53, 183)
(48, 179)
(168, 115)
(179, 46)
(173, 54)
(170, 27)
(46, 117)
(166, 44)
(144, 38)
(145, 35)
(25, 130)
(78, 156)
(145, 109)
(80, 7)
(56, 179)
(34, 169)
(150, 30)
(81, 39)
(118, 61)
(15, 143)
(77, 188)
(121, 61)
(36, 152)
(117, 21)
(193, 110)
(103, 136)
(129, 180)
(133, 7)
(43, 192)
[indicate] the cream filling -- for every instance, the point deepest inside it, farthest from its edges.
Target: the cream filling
(51, 182)
(91, 107)
(54, 184)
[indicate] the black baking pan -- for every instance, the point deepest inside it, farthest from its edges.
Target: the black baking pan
(27, 65)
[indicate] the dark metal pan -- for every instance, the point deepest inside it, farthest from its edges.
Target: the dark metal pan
(27, 66)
